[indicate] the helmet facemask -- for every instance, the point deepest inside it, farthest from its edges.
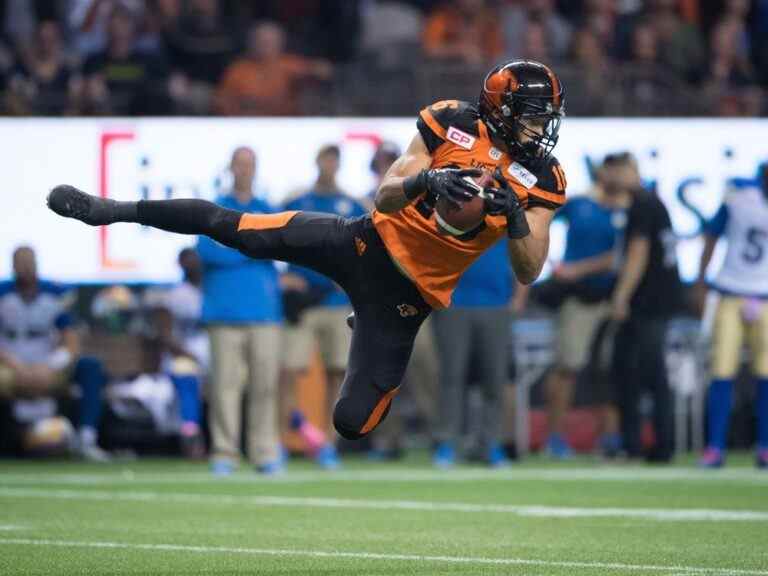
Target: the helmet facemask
(517, 116)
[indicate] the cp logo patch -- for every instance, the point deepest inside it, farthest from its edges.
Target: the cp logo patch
(460, 138)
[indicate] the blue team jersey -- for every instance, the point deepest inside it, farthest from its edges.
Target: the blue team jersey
(339, 204)
(743, 221)
(591, 232)
(29, 331)
(488, 282)
(238, 289)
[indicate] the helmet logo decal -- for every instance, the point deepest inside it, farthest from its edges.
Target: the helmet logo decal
(512, 83)
(501, 80)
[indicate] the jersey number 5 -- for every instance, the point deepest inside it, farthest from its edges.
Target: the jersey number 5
(757, 240)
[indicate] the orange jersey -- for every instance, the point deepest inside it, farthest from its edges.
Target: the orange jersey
(457, 138)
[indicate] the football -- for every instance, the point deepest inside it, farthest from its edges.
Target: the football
(452, 221)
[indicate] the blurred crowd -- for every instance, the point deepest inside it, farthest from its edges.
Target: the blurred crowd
(159, 57)
(246, 357)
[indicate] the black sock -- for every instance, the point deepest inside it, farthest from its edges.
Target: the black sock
(125, 211)
(190, 217)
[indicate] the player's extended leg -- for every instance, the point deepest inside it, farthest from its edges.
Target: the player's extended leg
(389, 311)
(313, 240)
(378, 358)
(389, 307)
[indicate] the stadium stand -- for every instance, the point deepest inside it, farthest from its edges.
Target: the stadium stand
(666, 57)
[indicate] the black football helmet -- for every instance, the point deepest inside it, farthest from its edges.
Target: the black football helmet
(517, 94)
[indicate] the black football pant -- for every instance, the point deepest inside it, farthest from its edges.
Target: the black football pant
(388, 307)
(638, 364)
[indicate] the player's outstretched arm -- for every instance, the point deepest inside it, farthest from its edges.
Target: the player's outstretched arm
(394, 193)
(529, 253)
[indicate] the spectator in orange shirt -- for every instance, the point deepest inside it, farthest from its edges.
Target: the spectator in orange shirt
(263, 82)
(466, 30)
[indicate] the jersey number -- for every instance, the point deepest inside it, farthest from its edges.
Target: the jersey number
(437, 106)
(756, 245)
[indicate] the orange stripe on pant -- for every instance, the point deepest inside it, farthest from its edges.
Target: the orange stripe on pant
(265, 221)
(378, 411)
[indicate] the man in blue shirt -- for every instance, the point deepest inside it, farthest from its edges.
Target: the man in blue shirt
(322, 317)
(242, 309)
(40, 350)
(475, 327)
(586, 276)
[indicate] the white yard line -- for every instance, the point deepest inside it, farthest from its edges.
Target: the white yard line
(11, 527)
(679, 515)
(595, 474)
(334, 554)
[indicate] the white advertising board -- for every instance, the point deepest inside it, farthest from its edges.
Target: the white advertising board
(130, 159)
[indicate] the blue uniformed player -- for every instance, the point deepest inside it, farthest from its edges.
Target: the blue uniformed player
(40, 350)
(742, 310)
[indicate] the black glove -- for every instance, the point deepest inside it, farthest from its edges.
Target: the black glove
(448, 183)
(504, 200)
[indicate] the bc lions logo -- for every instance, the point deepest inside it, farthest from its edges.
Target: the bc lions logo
(406, 310)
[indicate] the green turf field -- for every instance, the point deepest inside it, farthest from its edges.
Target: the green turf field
(580, 518)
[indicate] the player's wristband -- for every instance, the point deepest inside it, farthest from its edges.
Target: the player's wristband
(414, 186)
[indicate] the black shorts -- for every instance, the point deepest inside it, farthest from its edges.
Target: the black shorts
(388, 307)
